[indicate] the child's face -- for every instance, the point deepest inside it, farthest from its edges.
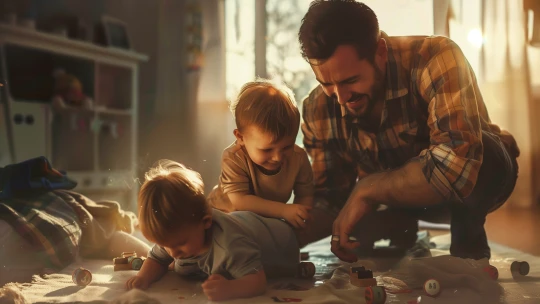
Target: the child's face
(190, 241)
(262, 150)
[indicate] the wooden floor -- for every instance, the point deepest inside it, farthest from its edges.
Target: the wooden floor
(518, 228)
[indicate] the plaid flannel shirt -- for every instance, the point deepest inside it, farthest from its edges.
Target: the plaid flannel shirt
(433, 112)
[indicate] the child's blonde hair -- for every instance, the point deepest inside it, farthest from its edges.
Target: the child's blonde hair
(268, 105)
(171, 197)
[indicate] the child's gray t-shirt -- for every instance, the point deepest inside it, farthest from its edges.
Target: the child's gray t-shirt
(242, 243)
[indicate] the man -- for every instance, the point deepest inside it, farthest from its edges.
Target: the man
(397, 122)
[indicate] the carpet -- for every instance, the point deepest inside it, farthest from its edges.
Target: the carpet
(462, 281)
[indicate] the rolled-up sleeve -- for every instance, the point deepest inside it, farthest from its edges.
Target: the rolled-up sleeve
(453, 159)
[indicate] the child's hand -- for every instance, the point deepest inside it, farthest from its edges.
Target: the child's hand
(216, 288)
(296, 214)
(137, 282)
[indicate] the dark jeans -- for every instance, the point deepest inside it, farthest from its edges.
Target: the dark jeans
(495, 183)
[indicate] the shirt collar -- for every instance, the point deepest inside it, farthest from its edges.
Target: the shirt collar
(396, 81)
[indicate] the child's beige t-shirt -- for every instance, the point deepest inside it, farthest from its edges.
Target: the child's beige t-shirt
(240, 174)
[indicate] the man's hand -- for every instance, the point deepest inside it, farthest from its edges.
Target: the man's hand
(137, 282)
(296, 214)
(217, 288)
(403, 187)
(351, 213)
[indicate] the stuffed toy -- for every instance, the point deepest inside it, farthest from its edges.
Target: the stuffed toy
(68, 91)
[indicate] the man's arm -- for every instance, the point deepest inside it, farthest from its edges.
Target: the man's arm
(403, 187)
(448, 169)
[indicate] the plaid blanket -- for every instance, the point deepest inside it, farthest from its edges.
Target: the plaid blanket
(58, 223)
(48, 223)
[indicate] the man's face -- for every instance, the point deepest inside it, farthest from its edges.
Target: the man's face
(354, 83)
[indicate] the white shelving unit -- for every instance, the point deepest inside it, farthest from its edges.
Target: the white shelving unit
(97, 147)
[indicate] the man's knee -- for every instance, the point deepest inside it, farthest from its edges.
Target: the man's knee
(497, 176)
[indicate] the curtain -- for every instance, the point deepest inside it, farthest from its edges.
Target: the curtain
(505, 84)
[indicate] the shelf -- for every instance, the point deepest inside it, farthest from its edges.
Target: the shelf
(95, 145)
(101, 110)
(63, 45)
(73, 110)
(126, 112)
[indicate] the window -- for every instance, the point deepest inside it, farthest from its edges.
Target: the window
(240, 44)
(281, 52)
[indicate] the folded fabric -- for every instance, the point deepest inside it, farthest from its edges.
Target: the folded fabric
(48, 223)
(32, 176)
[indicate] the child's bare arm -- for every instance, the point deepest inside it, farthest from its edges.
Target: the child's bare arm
(217, 288)
(150, 272)
(295, 214)
(253, 203)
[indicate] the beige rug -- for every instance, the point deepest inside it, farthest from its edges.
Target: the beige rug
(463, 281)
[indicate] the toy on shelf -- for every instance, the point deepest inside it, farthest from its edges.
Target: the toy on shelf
(128, 261)
(68, 91)
(375, 295)
(432, 288)
(362, 277)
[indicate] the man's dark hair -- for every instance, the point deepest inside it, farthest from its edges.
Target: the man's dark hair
(331, 23)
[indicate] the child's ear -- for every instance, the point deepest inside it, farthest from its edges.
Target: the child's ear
(207, 221)
(239, 136)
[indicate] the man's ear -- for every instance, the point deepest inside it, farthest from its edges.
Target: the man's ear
(207, 221)
(381, 54)
(239, 137)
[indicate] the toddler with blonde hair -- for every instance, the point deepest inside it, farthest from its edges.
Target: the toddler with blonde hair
(234, 253)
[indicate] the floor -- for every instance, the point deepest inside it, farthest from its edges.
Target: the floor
(516, 228)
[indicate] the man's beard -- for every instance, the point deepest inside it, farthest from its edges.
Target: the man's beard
(376, 94)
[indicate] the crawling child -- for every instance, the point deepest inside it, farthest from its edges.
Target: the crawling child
(234, 252)
(263, 167)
